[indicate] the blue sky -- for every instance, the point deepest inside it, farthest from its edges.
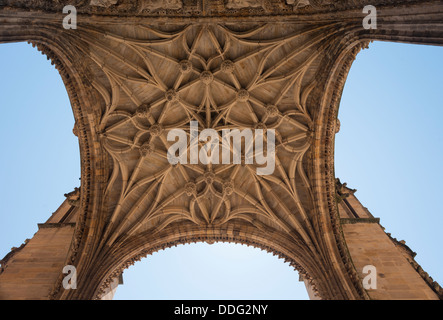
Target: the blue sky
(389, 148)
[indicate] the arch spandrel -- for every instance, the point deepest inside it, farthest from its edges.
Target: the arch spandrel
(130, 82)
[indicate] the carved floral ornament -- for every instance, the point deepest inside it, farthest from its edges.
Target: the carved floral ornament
(179, 8)
(177, 4)
(148, 4)
(103, 3)
(229, 4)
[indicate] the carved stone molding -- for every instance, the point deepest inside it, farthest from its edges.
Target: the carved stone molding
(213, 237)
(342, 190)
(73, 197)
(196, 8)
(238, 4)
(152, 5)
(103, 3)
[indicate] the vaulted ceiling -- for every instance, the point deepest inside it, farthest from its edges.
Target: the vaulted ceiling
(135, 70)
(225, 77)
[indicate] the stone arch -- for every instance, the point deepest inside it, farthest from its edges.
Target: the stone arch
(276, 245)
(330, 293)
(314, 229)
(321, 287)
(323, 167)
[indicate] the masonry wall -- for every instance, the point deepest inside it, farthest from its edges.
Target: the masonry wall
(368, 244)
(30, 272)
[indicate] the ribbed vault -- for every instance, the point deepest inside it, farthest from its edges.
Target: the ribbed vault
(280, 65)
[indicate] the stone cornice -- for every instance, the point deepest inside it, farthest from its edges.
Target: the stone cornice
(359, 220)
(55, 225)
(199, 8)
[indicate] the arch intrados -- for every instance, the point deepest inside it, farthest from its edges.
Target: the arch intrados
(174, 236)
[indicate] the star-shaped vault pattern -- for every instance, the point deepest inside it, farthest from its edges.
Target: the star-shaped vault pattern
(152, 80)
